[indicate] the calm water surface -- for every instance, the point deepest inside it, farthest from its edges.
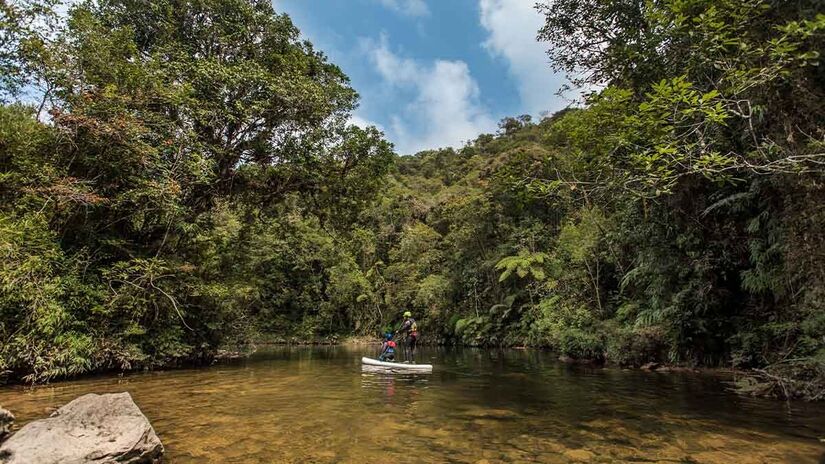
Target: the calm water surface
(316, 405)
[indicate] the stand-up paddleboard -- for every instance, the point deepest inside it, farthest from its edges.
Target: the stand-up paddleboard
(397, 365)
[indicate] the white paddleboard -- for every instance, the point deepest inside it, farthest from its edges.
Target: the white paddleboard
(397, 365)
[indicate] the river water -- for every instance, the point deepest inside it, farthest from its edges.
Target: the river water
(317, 405)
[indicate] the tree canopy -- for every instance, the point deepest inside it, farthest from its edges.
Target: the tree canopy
(187, 180)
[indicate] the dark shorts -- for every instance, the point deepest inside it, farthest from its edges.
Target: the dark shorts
(412, 341)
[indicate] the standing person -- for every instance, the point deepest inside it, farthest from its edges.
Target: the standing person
(410, 330)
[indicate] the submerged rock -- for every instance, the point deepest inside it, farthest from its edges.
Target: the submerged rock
(651, 366)
(6, 419)
(579, 455)
(91, 429)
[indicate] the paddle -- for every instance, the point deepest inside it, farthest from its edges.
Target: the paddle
(405, 346)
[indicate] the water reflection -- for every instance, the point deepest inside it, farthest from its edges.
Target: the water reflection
(320, 405)
(381, 381)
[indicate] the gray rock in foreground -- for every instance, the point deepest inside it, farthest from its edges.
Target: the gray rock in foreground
(91, 429)
(6, 419)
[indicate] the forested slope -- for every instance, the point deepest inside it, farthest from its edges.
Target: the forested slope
(175, 198)
(196, 184)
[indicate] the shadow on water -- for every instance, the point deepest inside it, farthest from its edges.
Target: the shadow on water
(302, 404)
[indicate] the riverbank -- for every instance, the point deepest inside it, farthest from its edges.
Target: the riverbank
(748, 382)
(228, 353)
(754, 382)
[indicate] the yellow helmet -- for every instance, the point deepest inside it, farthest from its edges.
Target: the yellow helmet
(407, 314)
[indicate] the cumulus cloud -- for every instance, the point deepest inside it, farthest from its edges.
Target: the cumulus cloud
(445, 108)
(363, 123)
(413, 8)
(512, 26)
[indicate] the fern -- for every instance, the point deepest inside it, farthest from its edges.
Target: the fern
(524, 264)
(649, 317)
(730, 202)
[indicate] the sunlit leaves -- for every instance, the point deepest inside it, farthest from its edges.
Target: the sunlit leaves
(524, 264)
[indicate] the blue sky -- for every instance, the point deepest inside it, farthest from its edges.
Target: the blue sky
(434, 73)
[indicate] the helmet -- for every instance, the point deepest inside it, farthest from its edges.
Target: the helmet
(388, 335)
(407, 314)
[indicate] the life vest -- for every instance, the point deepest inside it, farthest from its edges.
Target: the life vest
(413, 327)
(390, 346)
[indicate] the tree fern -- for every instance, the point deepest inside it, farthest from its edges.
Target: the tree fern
(524, 264)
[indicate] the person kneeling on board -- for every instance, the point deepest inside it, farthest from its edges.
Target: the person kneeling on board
(387, 349)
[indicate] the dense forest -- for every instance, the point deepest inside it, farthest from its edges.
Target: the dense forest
(187, 179)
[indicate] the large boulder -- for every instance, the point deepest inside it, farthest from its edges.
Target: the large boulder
(91, 429)
(6, 419)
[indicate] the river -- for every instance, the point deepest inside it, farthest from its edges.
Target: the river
(316, 405)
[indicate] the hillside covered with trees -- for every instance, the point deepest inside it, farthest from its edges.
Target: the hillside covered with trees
(189, 180)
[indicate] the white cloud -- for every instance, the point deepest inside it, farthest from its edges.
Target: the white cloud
(512, 26)
(413, 8)
(445, 109)
(363, 123)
